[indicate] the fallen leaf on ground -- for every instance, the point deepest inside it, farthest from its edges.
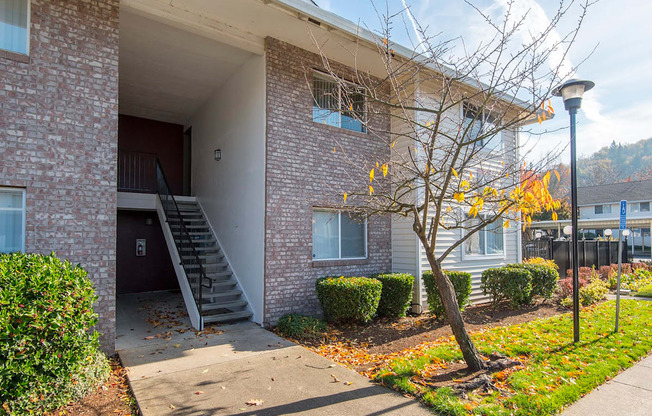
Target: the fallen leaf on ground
(150, 337)
(177, 345)
(254, 402)
(205, 371)
(348, 383)
(199, 392)
(172, 407)
(335, 379)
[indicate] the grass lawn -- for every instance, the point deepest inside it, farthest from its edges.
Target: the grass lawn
(555, 373)
(645, 291)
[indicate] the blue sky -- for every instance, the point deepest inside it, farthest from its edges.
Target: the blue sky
(619, 107)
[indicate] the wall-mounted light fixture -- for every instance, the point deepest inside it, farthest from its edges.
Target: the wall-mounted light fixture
(218, 154)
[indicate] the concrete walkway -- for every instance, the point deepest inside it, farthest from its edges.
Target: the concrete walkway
(175, 371)
(629, 393)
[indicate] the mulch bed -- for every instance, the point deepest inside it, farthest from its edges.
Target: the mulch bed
(111, 398)
(366, 347)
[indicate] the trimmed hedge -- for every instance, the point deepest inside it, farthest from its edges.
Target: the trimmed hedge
(348, 299)
(544, 279)
(508, 283)
(461, 283)
(301, 327)
(48, 354)
(396, 294)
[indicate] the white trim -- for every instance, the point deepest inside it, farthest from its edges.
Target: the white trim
(339, 237)
(193, 312)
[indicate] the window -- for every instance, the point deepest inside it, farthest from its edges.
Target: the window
(336, 235)
(481, 124)
(14, 26)
(337, 106)
(645, 207)
(488, 241)
(603, 209)
(12, 220)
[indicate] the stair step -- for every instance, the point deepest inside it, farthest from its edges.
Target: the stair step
(204, 257)
(224, 305)
(190, 227)
(205, 265)
(232, 316)
(219, 283)
(210, 275)
(234, 292)
(178, 220)
(202, 249)
(198, 241)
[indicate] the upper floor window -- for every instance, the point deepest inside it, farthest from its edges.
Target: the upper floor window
(336, 105)
(602, 209)
(640, 207)
(14, 26)
(488, 241)
(337, 235)
(481, 123)
(12, 220)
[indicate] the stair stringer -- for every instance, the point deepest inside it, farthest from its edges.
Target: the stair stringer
(196, 319)
(226, 258)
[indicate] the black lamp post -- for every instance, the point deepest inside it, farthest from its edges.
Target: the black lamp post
(572, 91)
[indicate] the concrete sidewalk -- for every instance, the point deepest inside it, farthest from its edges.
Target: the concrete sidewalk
(629, 393)
(175, 371)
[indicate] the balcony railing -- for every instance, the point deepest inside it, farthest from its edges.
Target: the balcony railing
(136, 172)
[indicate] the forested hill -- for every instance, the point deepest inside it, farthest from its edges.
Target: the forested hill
(616, 163)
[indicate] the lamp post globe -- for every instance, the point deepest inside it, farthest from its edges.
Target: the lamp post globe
(572, 92)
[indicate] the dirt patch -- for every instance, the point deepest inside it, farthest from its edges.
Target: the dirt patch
(365, 348)
(114, 397)
(385, 336)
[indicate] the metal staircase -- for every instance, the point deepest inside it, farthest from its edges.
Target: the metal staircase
(203, 269)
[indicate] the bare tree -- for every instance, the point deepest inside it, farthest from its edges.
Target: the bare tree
(453, 163)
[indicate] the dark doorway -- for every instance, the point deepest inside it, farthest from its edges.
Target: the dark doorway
(148, 273)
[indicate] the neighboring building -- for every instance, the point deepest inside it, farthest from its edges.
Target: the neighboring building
(105, 103)
(600, 209)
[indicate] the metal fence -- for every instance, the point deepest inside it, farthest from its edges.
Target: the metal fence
(592, 253)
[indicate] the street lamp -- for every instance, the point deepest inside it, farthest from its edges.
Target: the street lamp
(572, 91)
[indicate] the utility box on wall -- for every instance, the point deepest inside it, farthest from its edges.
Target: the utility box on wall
(141, 247)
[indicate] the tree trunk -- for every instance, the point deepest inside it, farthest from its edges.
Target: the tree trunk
(454, 316)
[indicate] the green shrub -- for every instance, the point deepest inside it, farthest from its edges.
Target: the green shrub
(301, 327)
(348, 299)
(544, 278)
(508, 283)
(396, 295)
(593, 292)
(461, 283)
(48, 354)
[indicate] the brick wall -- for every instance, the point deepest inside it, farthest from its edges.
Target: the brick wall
(300, 165)
(58, 138)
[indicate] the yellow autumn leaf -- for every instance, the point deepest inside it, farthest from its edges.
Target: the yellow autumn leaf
(459, 196)
(345, 196)
(506, 224)
(371, 189)
(384, 170)
(376, 164)
(554, 216)
(454, 172)
(557, 175)
(371, 175)
(464, 185)
(393, 144)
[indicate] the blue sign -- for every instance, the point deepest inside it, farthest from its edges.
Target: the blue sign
(623, 215)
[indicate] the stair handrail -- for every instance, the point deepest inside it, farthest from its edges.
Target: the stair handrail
(163, 190)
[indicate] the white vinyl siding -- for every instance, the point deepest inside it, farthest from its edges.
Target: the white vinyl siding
(14, 26)
(12, 220)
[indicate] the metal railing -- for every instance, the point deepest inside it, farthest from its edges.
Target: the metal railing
(183, 241)
(136, 172)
